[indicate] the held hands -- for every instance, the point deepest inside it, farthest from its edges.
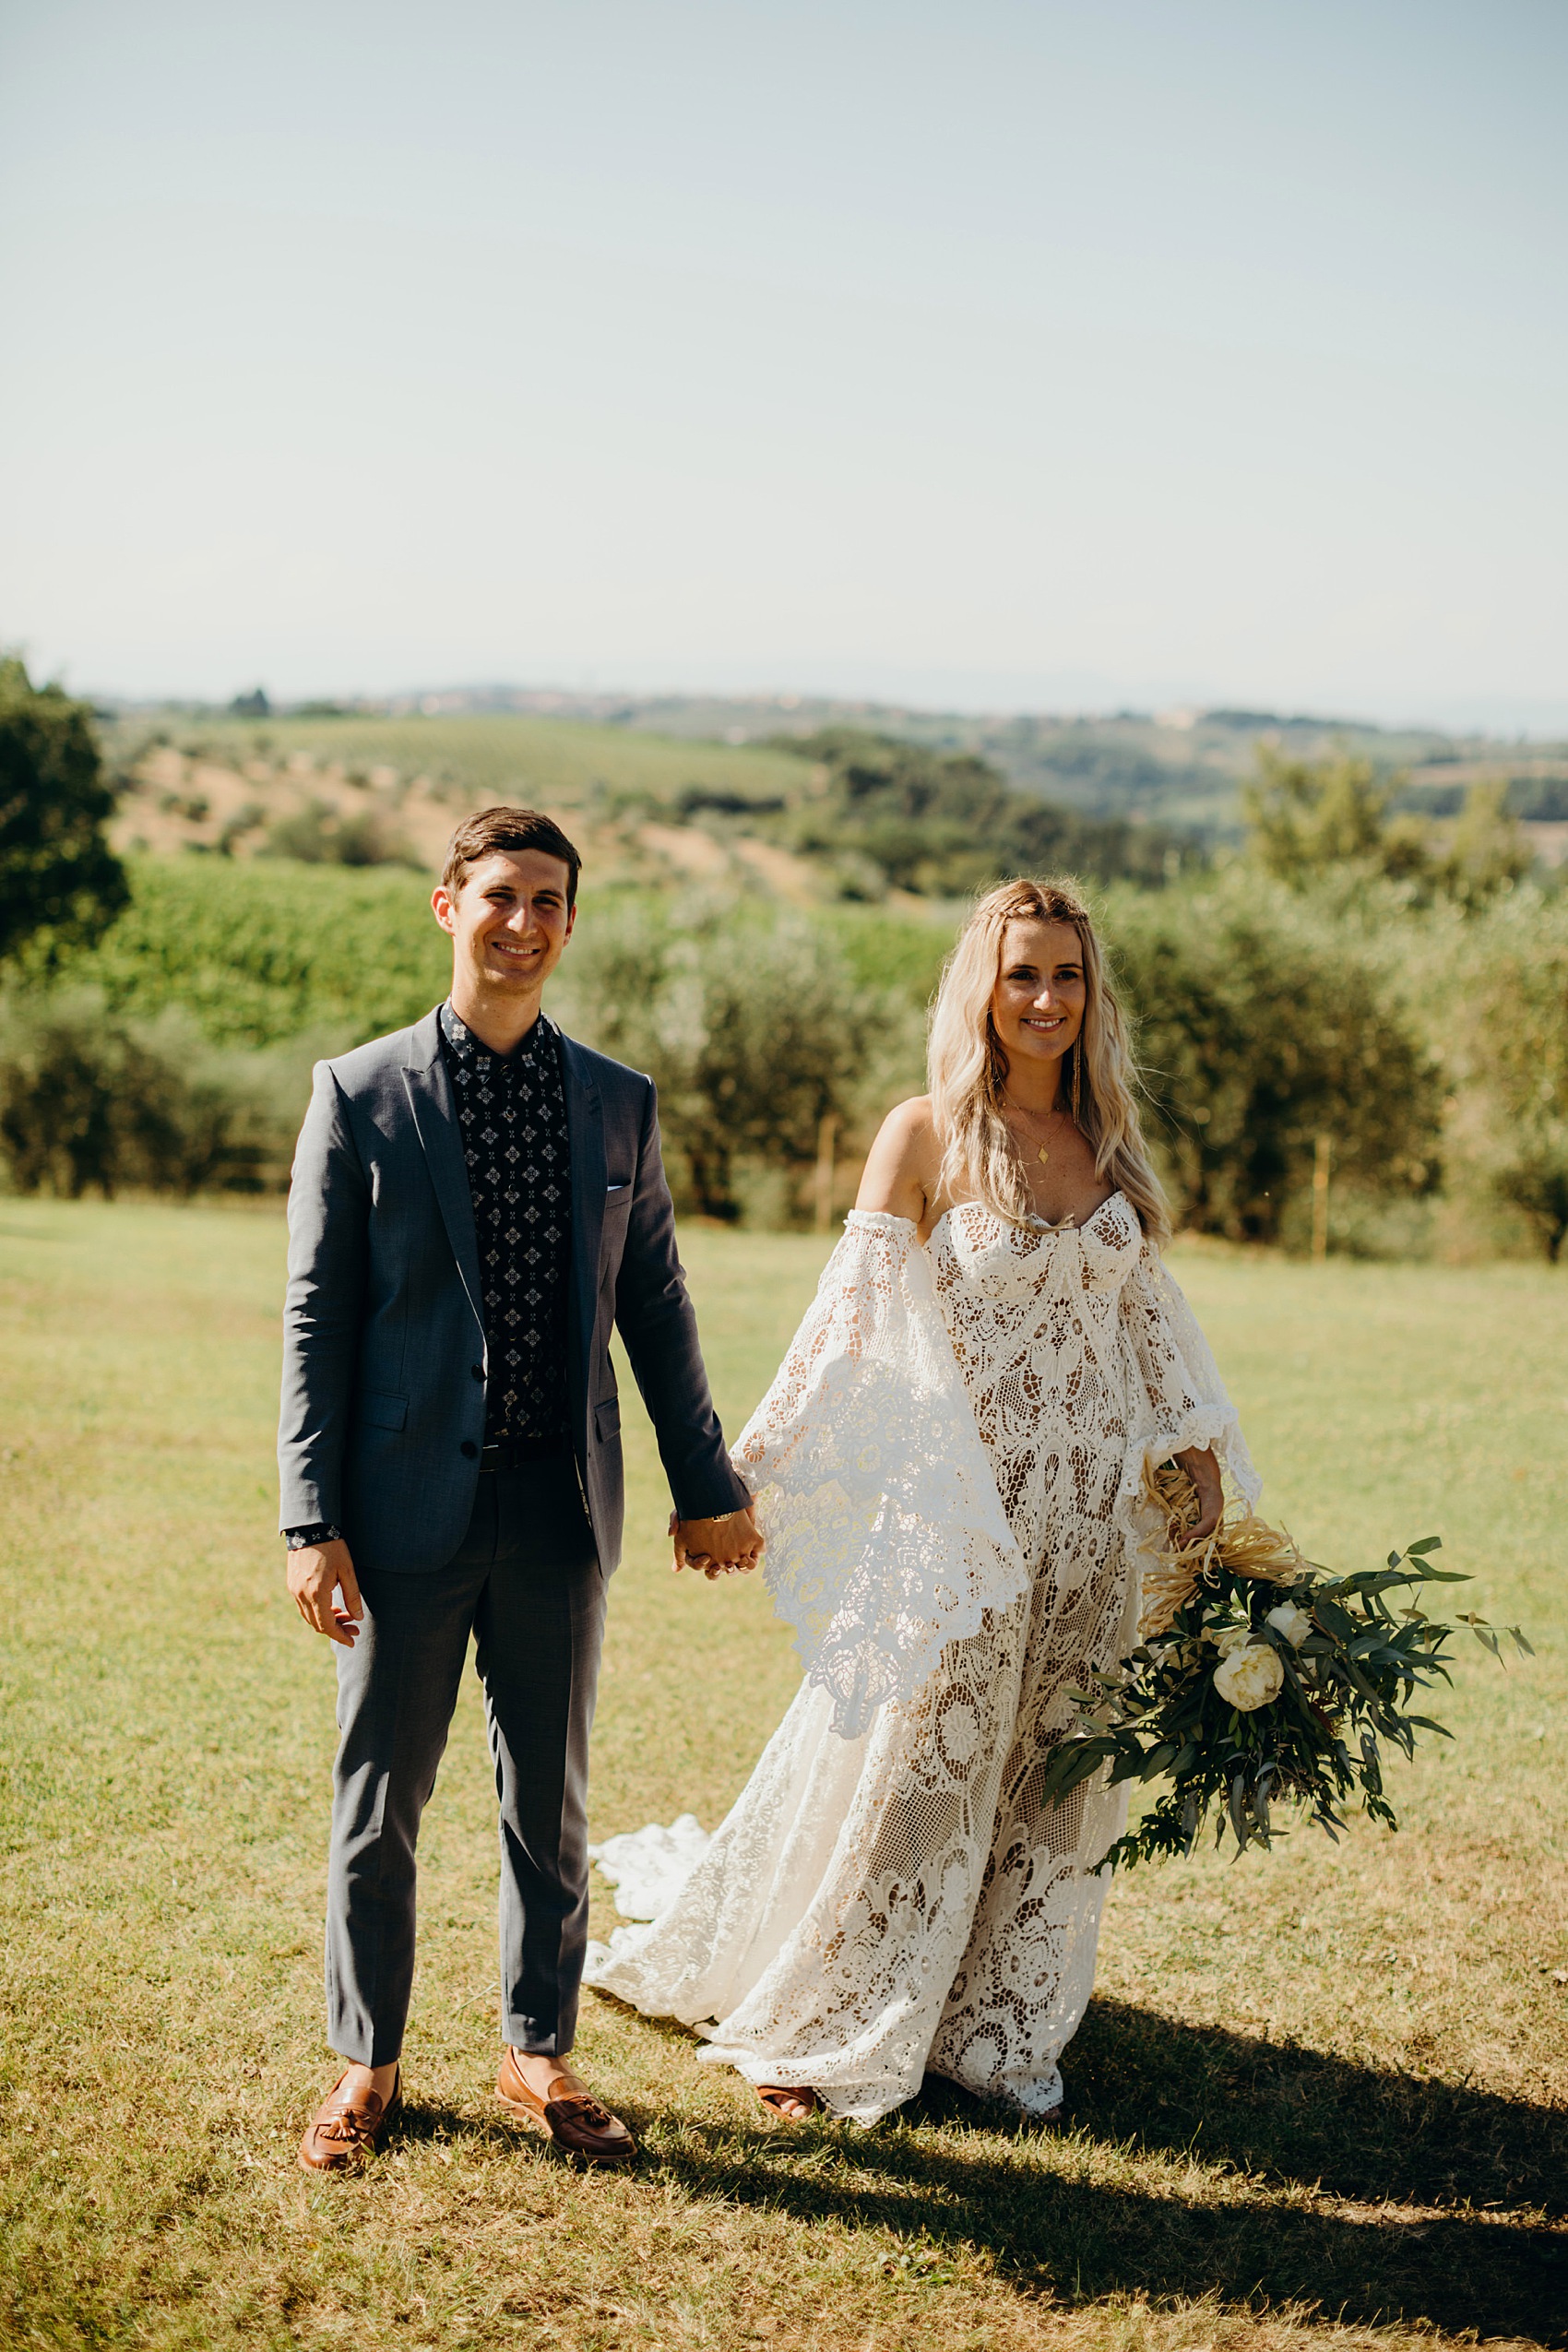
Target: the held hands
(325, 1590)
(718, 1546)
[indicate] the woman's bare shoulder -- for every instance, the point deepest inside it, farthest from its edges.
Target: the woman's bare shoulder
(911, 1120)
(900, 1169)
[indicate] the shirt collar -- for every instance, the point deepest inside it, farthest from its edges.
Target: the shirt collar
(457, 1035)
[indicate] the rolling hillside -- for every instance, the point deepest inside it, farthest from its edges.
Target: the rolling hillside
(666, 788)
(368, 789)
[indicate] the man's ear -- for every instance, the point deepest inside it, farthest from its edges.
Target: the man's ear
(443, 906)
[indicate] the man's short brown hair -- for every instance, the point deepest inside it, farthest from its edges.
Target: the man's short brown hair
(504, 829)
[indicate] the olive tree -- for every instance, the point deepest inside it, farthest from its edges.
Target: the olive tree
(749, 1021)
(1261, 1026)
(90, 1103)
(1309, 819)
(1519, 1057)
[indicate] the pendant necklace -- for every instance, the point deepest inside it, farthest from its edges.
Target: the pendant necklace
(1041, 1152)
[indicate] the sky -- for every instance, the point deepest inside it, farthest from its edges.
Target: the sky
(995, 354)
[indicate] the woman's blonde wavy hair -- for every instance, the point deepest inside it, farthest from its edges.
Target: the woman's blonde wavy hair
(967, 1068)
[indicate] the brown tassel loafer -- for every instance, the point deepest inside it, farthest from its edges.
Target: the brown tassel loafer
(574, 2119)
(343, 2133)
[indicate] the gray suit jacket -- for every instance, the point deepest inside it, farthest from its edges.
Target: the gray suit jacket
(384, 1354)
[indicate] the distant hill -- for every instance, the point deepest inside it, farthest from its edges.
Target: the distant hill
(365, 787)
(662, 784)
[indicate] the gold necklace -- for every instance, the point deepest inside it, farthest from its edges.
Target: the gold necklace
(1017, 1109)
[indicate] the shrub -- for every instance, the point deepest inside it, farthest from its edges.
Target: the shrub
(1261, 1026)
(316, 836)
(753, 1028)
(88, 1102)
(1517, 1062)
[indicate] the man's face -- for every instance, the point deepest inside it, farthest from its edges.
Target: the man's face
(510, 921)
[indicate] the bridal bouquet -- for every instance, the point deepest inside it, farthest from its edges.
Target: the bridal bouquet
(1260, 1678)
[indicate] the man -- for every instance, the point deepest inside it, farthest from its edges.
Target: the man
(475, 1201)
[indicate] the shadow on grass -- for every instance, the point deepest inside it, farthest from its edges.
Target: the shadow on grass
(1282, 2115)
(1080, 2240)
(421, 2122)
(1301, 2115)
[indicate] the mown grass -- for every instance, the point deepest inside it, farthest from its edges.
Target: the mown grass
(1321, 2096)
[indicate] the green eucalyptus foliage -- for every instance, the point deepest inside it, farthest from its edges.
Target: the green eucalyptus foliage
(1350, 1684)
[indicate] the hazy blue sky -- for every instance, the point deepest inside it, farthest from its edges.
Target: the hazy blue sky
(1130, 351)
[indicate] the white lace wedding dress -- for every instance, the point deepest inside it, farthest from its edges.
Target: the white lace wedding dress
(949, 1470)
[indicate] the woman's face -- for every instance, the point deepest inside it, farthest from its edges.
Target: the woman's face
(1036, 1006)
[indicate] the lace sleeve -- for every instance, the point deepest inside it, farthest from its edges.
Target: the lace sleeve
(1179, 1399)
(887, 1537)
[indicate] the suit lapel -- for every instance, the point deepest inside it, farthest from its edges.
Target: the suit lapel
(585, 1129)
(435, 1122)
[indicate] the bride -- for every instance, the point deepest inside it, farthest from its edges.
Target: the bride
(949, 1470)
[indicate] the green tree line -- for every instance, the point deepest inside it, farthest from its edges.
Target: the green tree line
(1355, 984)
(894, 815)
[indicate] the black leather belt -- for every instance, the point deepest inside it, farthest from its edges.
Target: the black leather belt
(512, 1453)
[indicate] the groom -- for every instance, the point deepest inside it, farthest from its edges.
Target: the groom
(476, 1201)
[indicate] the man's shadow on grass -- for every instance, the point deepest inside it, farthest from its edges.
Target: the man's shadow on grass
(1467, 2161)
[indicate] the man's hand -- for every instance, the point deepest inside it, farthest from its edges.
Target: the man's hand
(325, 1590)
(718, 1546)
(1203, 1471)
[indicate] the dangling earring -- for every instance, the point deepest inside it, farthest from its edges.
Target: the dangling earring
(1077, 1068)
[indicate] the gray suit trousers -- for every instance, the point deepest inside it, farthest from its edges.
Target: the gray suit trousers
(525, 1582)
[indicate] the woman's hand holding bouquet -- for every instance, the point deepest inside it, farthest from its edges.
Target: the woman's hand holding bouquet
(1259, 1678)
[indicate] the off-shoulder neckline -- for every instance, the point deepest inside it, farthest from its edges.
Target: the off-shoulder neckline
(891, 1217)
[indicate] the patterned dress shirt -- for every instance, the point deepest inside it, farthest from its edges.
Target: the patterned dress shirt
(512, 1118)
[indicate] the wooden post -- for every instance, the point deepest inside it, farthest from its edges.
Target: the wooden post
(827, 1128)
(1323, 1152)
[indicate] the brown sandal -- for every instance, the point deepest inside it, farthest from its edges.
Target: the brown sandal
(773, 2095)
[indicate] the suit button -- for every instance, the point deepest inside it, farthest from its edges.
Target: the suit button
(469, 1450)
(478, 1370)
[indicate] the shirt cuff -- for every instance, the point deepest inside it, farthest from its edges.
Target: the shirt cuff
(319, 1531)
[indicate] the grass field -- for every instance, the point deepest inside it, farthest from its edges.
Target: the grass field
(1321, 2097)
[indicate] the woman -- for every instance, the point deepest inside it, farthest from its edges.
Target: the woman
(949, 1468)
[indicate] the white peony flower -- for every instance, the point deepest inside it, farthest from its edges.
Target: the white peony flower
(1249, 1678)
(1294, 1622)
